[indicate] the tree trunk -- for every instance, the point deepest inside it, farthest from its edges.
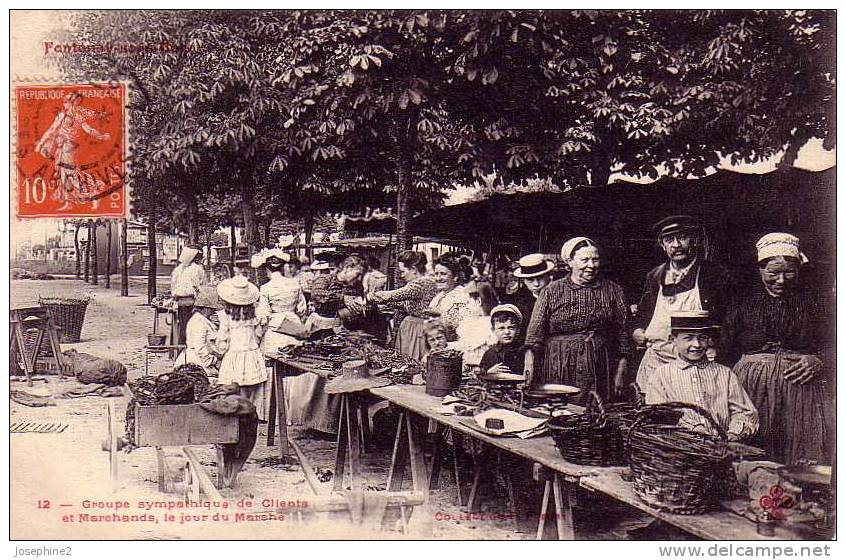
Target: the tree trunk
(251, 229)
(78, 270)
(232, 246)
(404, 238)
(87, 253)
(95, 279)
(267, 225)
(193, 222)
(207, 261)
(124, 259)
(308, 226)
(151, 252)
(600, 168)
(108, 254)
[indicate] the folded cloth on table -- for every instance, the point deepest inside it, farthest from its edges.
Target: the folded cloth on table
(513, 422)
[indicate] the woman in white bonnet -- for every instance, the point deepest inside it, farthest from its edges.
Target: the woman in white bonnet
(780, 333)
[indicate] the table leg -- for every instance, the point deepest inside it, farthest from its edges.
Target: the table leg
(396, 472)
(419, 476)
(27, 362)
(434, 433)
(456, 466)
(53, 337)
(547, 488)
(281, 413)
(353, 435)
(563, 509)
(342, 443)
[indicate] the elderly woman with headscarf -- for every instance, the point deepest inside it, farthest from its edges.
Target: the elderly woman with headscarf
(781, 333)
(282, 300)
(413, 298)
(185, 281)
(579, 327)
(201, 332)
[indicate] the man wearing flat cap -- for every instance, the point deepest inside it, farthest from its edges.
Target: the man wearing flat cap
(685, 282)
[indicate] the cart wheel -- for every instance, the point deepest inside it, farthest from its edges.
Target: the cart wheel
(191, 483)
(112, 435)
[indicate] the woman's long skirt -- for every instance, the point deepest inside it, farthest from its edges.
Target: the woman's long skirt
(795, 420)
(581, 360)
(411, 339)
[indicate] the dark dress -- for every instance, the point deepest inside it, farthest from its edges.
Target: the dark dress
(581, 331)
(509, 354)
(525, 302)
(768, 334)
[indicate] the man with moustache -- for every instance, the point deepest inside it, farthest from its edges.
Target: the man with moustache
(685, 282)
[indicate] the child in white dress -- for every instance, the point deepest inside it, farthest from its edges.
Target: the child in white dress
(238, 340)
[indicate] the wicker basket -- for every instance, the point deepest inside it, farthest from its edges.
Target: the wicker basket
(68, 314)
(592, 438)
(676, 469)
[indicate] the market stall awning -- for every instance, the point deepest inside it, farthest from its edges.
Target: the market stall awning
(736, 208)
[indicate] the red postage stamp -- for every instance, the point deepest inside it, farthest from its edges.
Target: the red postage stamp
(71, 150)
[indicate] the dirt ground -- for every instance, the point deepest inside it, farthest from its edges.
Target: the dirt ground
(54, 474)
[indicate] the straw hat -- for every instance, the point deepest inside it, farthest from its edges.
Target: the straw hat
(692, 321)
(188, 255)
(207, 297)
(261, 257)
(357, 376)
(238, 291)
(533, 265)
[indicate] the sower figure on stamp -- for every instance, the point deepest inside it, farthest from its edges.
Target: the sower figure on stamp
(685, 282)
(60, 143)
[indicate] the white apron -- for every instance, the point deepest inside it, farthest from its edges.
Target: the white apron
(661, 351)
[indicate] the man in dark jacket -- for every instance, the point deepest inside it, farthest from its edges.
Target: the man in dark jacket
(685, 282)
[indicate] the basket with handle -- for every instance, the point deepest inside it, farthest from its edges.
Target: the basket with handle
(591, 438)
(68, 314)
(674, 468)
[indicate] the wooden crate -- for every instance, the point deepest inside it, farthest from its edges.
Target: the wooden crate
(182, 424)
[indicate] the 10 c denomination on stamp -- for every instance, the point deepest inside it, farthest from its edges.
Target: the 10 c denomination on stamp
(71, 150)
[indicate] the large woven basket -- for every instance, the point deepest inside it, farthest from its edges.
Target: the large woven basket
(674, 468)
(591, 438)
(68, 314)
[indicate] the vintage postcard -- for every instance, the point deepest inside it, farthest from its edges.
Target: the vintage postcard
(424, 274)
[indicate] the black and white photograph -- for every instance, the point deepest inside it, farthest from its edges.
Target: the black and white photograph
(423, 274)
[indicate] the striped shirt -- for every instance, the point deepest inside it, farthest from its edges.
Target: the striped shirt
(413, 298)
(565, 307)
(713, 387)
